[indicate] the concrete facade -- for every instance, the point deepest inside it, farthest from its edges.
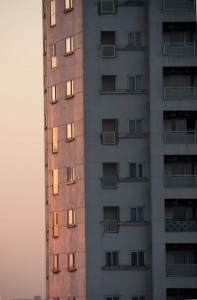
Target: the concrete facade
(120, 139)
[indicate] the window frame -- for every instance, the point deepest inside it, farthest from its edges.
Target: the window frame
(136, 127)
(55, 182)
(71, 217)
(55, 225)
(52, 13)
(137, 171)
(68, 7)
(134, 39)
(137, 214)
(71, 130)
(135, 83)
(69, 87)
(70, 171)
(53, 94)
(111, 258)
(69, 46)
(53, 56)
(71, 261)
(138, 263)
(56, 268)
(55, 140)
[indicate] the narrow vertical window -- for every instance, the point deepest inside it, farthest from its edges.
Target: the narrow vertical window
(53, 12)
(71, 261)
(56, 263)
(70, 175)
(136, 170)
(137, 259)
(55, 225)
(53, 94)
(55, 140)
(135, 83)
(135, 127)
(53, 56)
(69, 45)
(68, 5)
(134, 39)
(70, 217)
(69, 89)
(55, 182)
(70, 131)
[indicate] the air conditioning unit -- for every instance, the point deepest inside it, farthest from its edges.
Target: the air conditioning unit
(107, 6)
(109, 138)
(111, 226)
(108, 50)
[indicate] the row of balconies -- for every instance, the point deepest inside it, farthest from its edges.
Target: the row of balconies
(110, 6)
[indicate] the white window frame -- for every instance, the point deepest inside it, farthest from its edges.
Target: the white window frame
(135, 88)
(54, 94)
(134, 39)
(53, 13)
(138, 259)
(137, 214)
(70, 174)
(71, 217)
(69, 88)
(69, 131)
(138, 166)
(68, 4)
(69, 49)
(136, 127)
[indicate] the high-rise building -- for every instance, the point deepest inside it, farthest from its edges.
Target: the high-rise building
(120, 99)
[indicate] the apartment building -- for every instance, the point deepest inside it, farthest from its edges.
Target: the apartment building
(120, 82)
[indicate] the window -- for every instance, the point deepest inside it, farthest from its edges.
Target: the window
(138, 298)
(55, 182)
(45, 83)
(70, 217)
(136, 127)
(54, 140)
(44, 46)
(70, 175)
(110, 172)
(68, 5)
(53, 94)
(107, 6)
(182, 257)
(134, 39)
(69, 89)
(53, 56)
(70, 131)
(137, 214)
(112, 298)
(71, 261)
(136, 170)
(69, 45)
(111, 258)
(137, 259)
(56, 263)
(53, 12)
(55, 225)
(111, 216)
(108, 83)
(135, 83)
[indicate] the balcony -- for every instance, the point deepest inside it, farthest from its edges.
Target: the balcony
(179, 4)
(179, 48)
(184, 181)
(180, 93)
(177, 226)
(180, 137)
(181, 270)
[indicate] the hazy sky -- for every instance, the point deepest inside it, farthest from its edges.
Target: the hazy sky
(22, 237)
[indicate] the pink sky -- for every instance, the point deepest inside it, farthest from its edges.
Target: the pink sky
(22, 234)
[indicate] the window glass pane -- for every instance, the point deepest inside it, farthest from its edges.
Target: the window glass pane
(139, 83)
(134, 258)
(131, 127)
(141, 258)
(114, 258)
(138, 39)
(69, 131)
(53, 92)
(179, 213)
(131, 39)
(133, 170)
(140, 214)
(133, 214)
(138, 126)
(55, 142)
(68, 4)
(140, 171)
(108, 258)
(131, 83)
(69, 88)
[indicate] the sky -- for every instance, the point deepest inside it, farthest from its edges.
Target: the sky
(22, 218)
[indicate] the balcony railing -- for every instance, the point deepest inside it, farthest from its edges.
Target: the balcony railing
(111, 226)
(179, 4)
(109, 182)
(180, 137)
(181, 270)
(179, 48)
(172, 225)
(185, 181)
(180, 93)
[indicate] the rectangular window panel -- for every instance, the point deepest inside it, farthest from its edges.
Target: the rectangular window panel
(55, 182)
(140, 171)
(137, 259)
(54, 140)
(135, 83)
(55, 262)
(111, 258)
(136, 127)
(55, 225)
(71, 261)
(53, 56)
(53, 12)
(137, 214)
(134, 259)
(70, 131)
(70, 217)
(70, 175)
(135, 39)
(69, 88)
(136, 170)
(68, 5)
(53, 94)
(133, 170)
(69, 45)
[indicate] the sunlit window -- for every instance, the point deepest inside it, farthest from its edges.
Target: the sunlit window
(55, 225)
(53, 93)
(55, 263)
(53, 56)
(53, 12)
(54, 140)
(70, 131)
(55, 182)
(68, 5)
(69, 88)
(70, 175)
(69, 45)
(70, 217)
(71, 261)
